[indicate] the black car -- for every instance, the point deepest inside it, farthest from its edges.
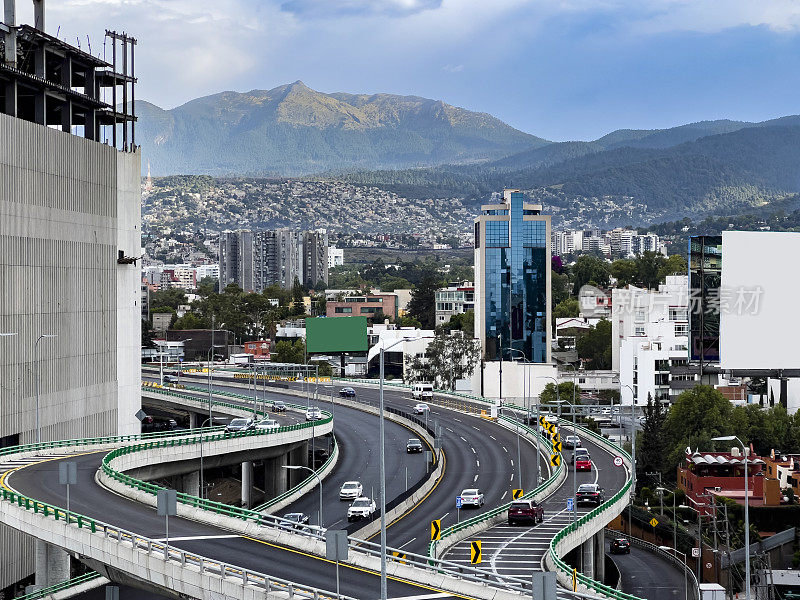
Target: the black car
(240, 425)
(620, 546)
(589, 493)
(295, 521)
(278, 406)
(347, 392)
(414, 445)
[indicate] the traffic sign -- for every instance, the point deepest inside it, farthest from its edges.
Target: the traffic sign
(556, 437)
(570, 504)
(709, 565)
(399, 557)
(695, 552)
(653, 522)
(517, 494)
(555, 460)
(436, 530)
(475, 552)
(458, 501)
(574, 580)
(617, 461)
(542, 421)
(140, 414)
(556, 446)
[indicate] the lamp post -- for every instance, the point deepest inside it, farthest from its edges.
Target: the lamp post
(633, 435)
(699, 538)
(685, 568)
(315, 474)
(208, 420)
(555, 383)
(575, 473)
(731, 438)
(210, 412)
(519, 452)
(384, 592)
(36, 353)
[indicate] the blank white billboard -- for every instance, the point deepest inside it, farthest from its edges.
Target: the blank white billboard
(759, 300)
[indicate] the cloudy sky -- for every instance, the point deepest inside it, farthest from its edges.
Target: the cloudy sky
(560, 69)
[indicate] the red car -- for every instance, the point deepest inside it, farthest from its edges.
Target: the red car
(525, 511)
(583, 463)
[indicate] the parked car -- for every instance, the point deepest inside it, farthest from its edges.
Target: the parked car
(347, 392)
(351, 490)
(240, 425)
(620, 546)
(265, 424)
(295, 520)
(361, 508)
(471, 497)
(313, 414)
(571, 442)
(279, 406)
(525, 511)
(421, 408)
(589, 493)
(413, 446)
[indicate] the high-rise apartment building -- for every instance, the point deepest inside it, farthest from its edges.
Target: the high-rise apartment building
(70, 226)
(255, 260)
(512, 280)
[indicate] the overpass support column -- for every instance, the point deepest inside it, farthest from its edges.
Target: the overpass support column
(52, 564)
(587, 557)
(247, 484)
(190, 483)
(195, 420)
(276, 478)
(600, 556)
(298, 456)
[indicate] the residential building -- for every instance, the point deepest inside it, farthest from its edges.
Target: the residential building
(596, 241)
(566, 242)
(512, 279)
(366, 306)
(203, 271)
(621, 241)
(315, 257)
(335, 257)
(455, 299)
(398, 358)
(258, 348)
(70, 240)
(705, 279)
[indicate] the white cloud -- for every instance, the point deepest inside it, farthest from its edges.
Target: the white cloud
(327, 8)
(453, 68)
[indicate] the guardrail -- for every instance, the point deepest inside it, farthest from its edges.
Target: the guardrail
(61, 586)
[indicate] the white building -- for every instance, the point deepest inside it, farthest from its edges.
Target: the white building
(455, 299)
(335, 257)
(396, 351)
(203, 271)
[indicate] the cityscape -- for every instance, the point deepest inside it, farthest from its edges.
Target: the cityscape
(368, 344)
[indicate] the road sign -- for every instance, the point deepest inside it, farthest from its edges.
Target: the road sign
(436, 530)
(570, 504)
(458, 501)
(140, 414)
(336, 544)
(709, 565)
(574, 580)
(556, 437)
(517, 494)
(399, 557)
(542, 421)
(653, 522)
(555, 460)
(617, 461)
(556, 446)
(695, 552)
(475, 552)
(68, 473)
(544, 585)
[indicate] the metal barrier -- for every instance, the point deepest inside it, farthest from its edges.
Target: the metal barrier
(58, 587)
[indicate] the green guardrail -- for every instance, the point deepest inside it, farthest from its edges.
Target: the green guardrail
(58, 587)
(490, 514)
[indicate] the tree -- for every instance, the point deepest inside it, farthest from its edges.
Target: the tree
(567, 308)
(190, 321)
(559, 287)
(448, 357)
(288, 352)
(423, 300)
(170, 297)
(462, 322)
(565, 392)
(651, 442)
(207, 286)
(147, 334)
(589, 270)
(609, 396)
(594, 346)
(675, 264)
(325, 369)
(648, 267)
(624, 271)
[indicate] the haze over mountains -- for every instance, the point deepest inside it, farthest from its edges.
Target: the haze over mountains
(425, 148)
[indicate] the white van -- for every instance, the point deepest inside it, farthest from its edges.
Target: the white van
(422, 390)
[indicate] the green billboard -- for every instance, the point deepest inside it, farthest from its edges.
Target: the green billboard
(336, 334)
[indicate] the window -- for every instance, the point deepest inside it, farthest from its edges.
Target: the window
(640, 315)
(344, 310)
(662, 365)
(677, 314)
(681, 329)
(639, 331)
(497, 234)
(370, 310)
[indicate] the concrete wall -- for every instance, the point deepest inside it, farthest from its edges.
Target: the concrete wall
(67, 205)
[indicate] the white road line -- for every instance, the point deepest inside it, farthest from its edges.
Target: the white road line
(475, 479)
(478, 463)
(421, 597)
(494, 438)
(198, 537)
(406, 544)
(463, 438)
(505, 449)
(445, 515)
(504, 495)
(473, 449)
(512, 462)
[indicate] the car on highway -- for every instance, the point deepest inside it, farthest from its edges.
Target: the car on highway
(266, 424)
(421, 408)
(525, 511)
(471, 497)
(347, 392)
(578, 452)
(279, 406)
(361, 508)
(589, 493)
(571, 442)
(351, 490)
(583, 462)
(414, 445)
(313, 414)
(620, 546)
(296, 520)
(422, 390)
(240, 425)
(170, 379)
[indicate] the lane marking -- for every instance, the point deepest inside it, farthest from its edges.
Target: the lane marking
(192, 538)
(406, 544)
(504, 495)
(422, 597)
(505, 449)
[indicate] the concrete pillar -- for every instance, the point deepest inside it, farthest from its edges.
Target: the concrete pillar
(190, 483)
(52, 564)
(298, 456)
(587, 557)
(600, 556)
(247, 484)
(195, 420)
(276, 478)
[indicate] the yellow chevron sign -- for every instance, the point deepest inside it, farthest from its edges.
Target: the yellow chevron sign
(475, 552)
(556, 446)
(517, 494)
(555, 460)
(436, 530)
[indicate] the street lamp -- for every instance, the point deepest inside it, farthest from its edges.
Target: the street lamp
(699, 538)
(36, 353)
(538, 404)
(202, 491)
(519, 453)
(633, 435)
(315, 474)
(210, 405)
(685, 569)
(384, 592)
(574, 473)
(731, 438)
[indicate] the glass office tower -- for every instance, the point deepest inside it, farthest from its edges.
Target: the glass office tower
(512, 280)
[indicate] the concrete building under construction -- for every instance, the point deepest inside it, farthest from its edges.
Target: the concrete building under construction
(70, 225)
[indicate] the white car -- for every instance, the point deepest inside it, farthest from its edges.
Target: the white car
(265, 424)
(351, 490)
(471, 497)
(313, 414)
(421, 408)
(361, 508)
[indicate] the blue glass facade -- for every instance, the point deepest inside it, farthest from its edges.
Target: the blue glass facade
(515, 272)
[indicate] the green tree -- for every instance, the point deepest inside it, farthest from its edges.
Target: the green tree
(673, 265)
(566, 308)
(190, 321)
(648, 268)
(589, 270)
(624, 271)
(325, 369)
(423, 300)
(449, 356)
(147, 334)
(207, 286)
(290, 352)
(651, 442)
(462, 322)
(170, 297)
(565, 392)
(559, 286)
(594, 346)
